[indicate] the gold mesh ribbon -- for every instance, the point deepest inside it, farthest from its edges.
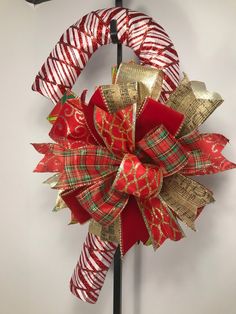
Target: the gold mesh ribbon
(133, 83)
(60, 204)
(150, 79)
(185, 196)
(118, 96)
(193, 100)
(52, 181)
(106, 233)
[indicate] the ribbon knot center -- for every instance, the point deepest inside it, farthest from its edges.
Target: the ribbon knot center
(138, 179)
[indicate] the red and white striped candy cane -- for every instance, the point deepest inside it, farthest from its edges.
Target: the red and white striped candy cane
(65, 63)
(90, 272)
(136, 30)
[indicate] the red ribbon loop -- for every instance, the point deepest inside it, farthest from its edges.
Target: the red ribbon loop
(138, 179)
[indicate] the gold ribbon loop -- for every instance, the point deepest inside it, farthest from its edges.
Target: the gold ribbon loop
(118, 96)
(106, 233)
(150, 79)
(185, 196)
(193, 100)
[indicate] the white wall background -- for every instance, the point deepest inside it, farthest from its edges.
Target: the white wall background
(38, 249)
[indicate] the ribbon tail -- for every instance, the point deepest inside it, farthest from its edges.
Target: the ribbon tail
(60, 204)
(102, 201)
(160, 222)
(106, 233)
(133, 228)
(205, 154)
(50, 162)
(69, 125)
(76, 166)
(192, 99)
(185, 197)
(78, 213)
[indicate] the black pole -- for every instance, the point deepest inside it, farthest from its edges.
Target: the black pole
(117, 280)
(119, 3)
(117, 283)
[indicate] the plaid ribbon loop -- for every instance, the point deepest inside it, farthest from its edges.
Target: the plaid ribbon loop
(102, 201)
(164, 150)
(107, 197)
(130, 175)
(85, 166)
(134, 170)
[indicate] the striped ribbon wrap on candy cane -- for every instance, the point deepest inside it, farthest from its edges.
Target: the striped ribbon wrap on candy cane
(136, 30)
(65, 63)
(90, 272)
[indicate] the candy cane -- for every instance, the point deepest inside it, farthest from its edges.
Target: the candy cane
(65, 63)
(90, 272)
(136, 30)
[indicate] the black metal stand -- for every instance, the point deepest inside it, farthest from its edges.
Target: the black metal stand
(117, 280)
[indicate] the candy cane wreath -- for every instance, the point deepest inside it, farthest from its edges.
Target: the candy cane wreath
(157, 55)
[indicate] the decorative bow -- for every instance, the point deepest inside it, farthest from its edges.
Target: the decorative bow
(124, 160)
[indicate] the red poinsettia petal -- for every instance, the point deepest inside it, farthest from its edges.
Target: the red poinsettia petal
(154, 114)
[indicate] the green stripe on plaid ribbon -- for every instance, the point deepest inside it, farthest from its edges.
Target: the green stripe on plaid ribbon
(102, 201)
(85, 166)
(198, 161)
(190, 138)
(164, 150)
